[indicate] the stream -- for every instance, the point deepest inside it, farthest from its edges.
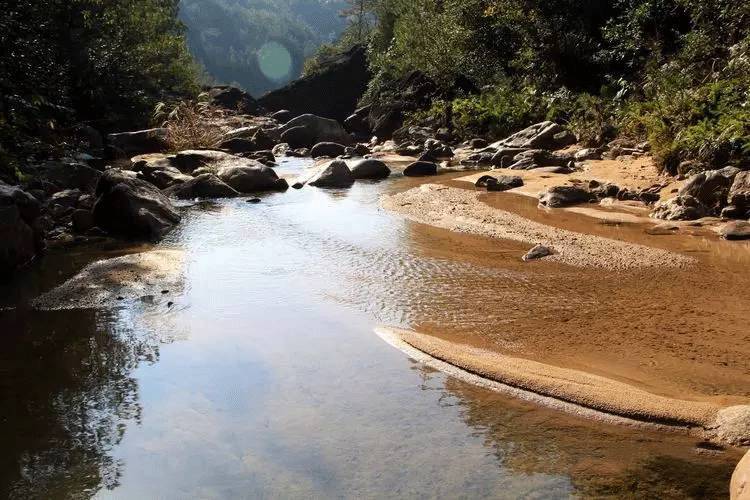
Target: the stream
(262, 377)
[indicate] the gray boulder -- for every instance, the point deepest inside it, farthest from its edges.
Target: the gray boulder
(54, 176)
(335, 174)
(544, 135)
(132, 207)
(711, 188)
(564, 196)
(141, 141)
(538, 252)
(252, 178)
(739, 192)
(329, 149)
(588, 154)
(202, 186)
(369, 169)
(298, 137)
(681, 207)
(164, 177)
(238, 145)
(421, 168)
(318, 129)
(20, 239)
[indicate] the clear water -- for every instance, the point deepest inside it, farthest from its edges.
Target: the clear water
(264, 379)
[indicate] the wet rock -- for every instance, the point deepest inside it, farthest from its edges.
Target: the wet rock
(711, 188)
(603, 190)
(132, 207)
(165, 177)
(681, 207)
(203, 186)
(329, 149)
(234, 99)
(360, 150)
(735, 230)
(538, 252)
(266, 157)
(564, 196)
(739, 488)
(421, 168)
(370, 169)
(251, 179)
(504, 183)
(477, 143)
(20, 238)
(554, 170)
(483, 180)
(335, 174)
(315, 129)
(141, 141)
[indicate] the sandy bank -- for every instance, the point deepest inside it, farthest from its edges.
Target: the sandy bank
(572, 391)
(461, 210)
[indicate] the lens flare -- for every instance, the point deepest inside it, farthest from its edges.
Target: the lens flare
(274, 61)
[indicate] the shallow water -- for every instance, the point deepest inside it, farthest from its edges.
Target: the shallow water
(264, 378)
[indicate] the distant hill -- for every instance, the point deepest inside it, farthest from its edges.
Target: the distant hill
(259, 45)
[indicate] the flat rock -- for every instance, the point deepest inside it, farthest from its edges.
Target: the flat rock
(564, 196)
(735, 230)
(203, 186)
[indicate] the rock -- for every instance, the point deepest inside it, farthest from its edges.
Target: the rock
(477, 143)
(20, 238)
(329, 149)
(681, 207)
(335, 174)
(544, 135)
(298, 137)
(420, 168)
(360, 150)
(234, 99)
(252, 179)
(739, 192)
(538, 252)
(357, 122)
(132, 207)
(732, 425)
(317, 129)
(438, 149)
(263, 141)
(603, 190)
(53, 176)
(538, 158)
(711, 188)
(202, 186)
(165, 177)
(241, 133)
(280, 149)
(283, 115)
(588, 154)
(735, 230)
(67, 198)
(238, 145)
(564, 196)
(370, 169)
(266, 157)
(504, 183)
(484, 180)
(733, 212)
(141, 141)
(739, 488)
(554, 170)
(83, 220)
(332, 91)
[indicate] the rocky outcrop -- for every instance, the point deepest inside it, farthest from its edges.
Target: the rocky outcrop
(234, 99)
(54, 176)
(329, 149)
(308, 130)
(739, 193)
(370, 169)
(564, 196)
(203, 186)
(421, 168)
(735, 230)
(332, 91)
(711, 188)
(682, 207)
(131, 207)
(335, 174)
(544, 135)
(20, 240)
(538, 158)
(142, 141)
(251, 178)
(740, 485)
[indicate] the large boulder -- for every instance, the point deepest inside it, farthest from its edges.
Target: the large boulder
(318, 129)
(329, 149)
(421, 168)
(564, 196)
(202, 186)
(164, 177)
(544, 135)
(740, 485)
(735, 230)
(141, 141)
(19, 238)
(335, 174)
(252, 178)
(298, 137)
(131, 207)
(54, 176)
(369, 169)
(711, 188)
(234, 99)
(238, 145)
(681, 207)
(538, 158)
(332, 91)
(739, 193)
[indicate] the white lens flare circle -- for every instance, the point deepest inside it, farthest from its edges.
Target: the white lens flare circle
(274, 61)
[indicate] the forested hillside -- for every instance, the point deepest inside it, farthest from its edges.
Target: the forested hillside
(676, 72)
(259, 44)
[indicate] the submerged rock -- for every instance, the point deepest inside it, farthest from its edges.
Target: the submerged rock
(564, 196)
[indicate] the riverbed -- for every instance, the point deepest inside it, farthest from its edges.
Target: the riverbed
(259, 375)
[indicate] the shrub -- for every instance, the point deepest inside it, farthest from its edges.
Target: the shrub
(190, 124)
